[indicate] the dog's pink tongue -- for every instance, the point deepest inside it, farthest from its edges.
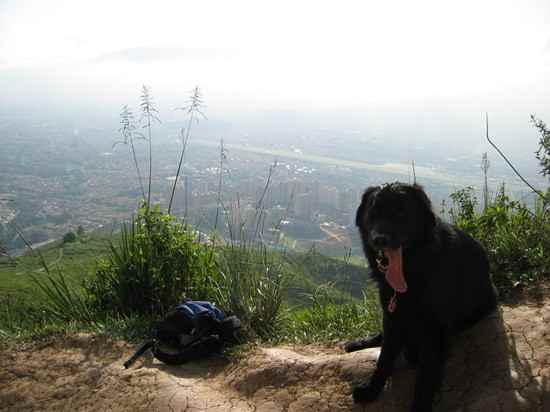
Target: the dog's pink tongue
(394, 274)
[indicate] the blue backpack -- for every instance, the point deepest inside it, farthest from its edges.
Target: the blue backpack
(193, 330)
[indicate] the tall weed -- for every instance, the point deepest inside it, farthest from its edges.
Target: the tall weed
(63, 301)
(252, 287)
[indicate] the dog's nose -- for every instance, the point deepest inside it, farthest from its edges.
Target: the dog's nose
(380, 241)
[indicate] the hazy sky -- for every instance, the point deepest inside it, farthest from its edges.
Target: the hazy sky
(277, 54)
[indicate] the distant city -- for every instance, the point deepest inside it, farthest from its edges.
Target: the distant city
(291, 190)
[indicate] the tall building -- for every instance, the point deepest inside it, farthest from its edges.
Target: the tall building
(328, 196)
(315, 192)
(303, 206)
(202, 186)
(346, 200)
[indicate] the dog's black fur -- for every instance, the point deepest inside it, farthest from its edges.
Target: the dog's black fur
(449, 287)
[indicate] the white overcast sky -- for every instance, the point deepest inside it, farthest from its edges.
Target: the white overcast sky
(277, 54)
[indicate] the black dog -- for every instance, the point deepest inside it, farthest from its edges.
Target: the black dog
(433, 282)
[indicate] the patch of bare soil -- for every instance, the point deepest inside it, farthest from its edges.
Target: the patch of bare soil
(503, 364)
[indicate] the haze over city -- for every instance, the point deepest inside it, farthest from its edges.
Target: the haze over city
(251, 56)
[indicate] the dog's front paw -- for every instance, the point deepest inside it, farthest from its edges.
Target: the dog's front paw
(366, 393)
(421, 408)
(370, 342)
(355, 345)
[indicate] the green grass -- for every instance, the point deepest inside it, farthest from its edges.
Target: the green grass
(24, 322)
(327, 321)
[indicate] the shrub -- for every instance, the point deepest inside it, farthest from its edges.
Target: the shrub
(517, 240)
(157, 263)
(69, 237)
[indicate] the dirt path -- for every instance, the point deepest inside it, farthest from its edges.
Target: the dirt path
(503, 364)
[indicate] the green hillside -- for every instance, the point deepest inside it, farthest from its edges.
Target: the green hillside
(78, 260)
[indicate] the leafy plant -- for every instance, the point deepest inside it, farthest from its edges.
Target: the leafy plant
(463, 210)
(516, 239)
(543, 152)
(156, 264)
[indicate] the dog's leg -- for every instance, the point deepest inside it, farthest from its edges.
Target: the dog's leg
(432, 354)
(391, 347)
(370, 342)
(411, 355)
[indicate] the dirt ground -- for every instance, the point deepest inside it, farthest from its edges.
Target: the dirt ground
(503, 364)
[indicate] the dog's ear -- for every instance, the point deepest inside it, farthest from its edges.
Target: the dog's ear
(364, 204)
(426, 207)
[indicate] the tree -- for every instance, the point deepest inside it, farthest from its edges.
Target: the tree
(69, 237)
(543, 152)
